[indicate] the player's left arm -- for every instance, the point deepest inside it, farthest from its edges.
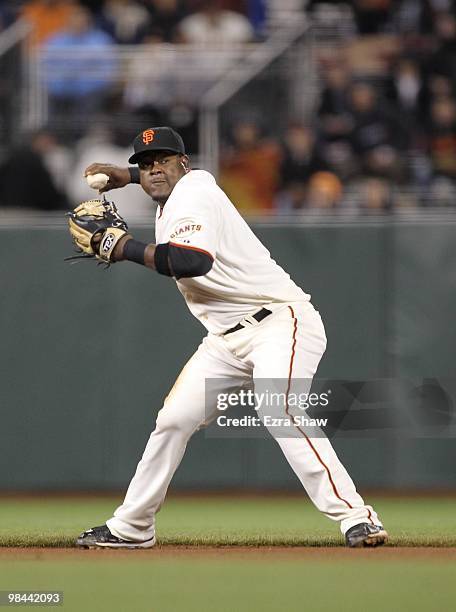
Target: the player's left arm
(106, 239)
(189, 245)
(188, 249)
(167, 258)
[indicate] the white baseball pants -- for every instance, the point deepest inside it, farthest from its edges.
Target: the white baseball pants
(286, 345)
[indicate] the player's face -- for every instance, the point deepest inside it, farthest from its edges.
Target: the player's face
(159, 173)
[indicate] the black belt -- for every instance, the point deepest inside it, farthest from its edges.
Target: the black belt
(258, 316)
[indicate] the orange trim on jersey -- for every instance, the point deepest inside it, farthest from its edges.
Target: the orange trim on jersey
(369, 516)
(293, 347)
(191, 248)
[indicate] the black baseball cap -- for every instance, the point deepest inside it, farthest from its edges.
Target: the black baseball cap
(157, 139)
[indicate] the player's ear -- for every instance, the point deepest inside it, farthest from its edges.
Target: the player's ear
(185, 162)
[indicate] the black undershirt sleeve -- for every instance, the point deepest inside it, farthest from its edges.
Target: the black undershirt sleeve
(181, 262)
(161, 259)
(134, 251)
(187, 262)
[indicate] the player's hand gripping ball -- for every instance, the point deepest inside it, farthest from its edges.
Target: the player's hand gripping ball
(98, 180)
(96, 227)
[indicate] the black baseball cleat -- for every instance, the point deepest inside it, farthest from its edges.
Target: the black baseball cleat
(101, 537)
(365, 535)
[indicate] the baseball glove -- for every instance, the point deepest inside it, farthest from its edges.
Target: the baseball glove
(96, 227)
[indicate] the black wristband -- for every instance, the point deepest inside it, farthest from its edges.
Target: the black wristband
(161, 259)
(134, 174)
(134, 251)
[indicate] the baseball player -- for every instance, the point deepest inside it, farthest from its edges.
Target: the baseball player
(261, 326)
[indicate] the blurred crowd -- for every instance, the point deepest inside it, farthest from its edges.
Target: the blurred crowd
(131, 22)
(380, 133)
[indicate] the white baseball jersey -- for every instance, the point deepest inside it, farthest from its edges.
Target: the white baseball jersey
(198, 215)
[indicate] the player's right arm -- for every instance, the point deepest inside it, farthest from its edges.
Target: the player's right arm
(118, 177)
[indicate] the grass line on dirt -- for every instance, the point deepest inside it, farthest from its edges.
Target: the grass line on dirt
(64, 541)
(205, 521)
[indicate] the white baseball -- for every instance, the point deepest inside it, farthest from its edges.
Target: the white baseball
(97, 181)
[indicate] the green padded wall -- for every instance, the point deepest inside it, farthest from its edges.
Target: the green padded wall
(88, 355)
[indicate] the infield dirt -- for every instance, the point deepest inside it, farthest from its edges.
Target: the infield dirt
(267, 553)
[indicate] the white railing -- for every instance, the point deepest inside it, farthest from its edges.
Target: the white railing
(148, 74)
(233, 81)
(14, 35)
(12, 39)
(158, 75)
(31, 219)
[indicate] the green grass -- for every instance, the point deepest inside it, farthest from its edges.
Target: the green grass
(232, 581)
(218, 521)
(227, 585)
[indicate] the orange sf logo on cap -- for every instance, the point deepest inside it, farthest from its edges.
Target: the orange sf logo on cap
(148, 136)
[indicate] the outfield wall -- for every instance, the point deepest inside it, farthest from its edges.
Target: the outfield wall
(88, 354)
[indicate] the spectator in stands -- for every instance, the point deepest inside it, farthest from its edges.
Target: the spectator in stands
(10, 67)
(300, 160)
(407, 92)
(285, 13)
(126, 21)
(159, 86)
(412, 18)
(6, 17)
(47, 17)
(257, 14)
(372, 16)
(250, 169)
(443, 60)
(339, 158)
(165, 16)
(377, 137)
(437, 86)
(442, 137)
(441, 192)
(79, 67)
(38, 190)
(334, 109)
(102, 142)
(214, 26)
(150, 86)
(324, 191)
(375, 194)
(335, 119)
(406, 87)
(57, 158)
(402, 17)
